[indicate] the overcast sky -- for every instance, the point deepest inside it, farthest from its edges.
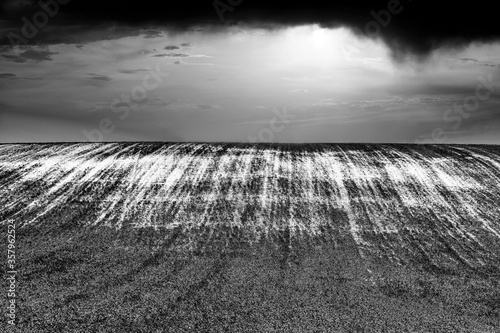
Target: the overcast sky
(253, 77)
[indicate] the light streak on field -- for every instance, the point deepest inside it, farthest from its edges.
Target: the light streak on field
(402, 202)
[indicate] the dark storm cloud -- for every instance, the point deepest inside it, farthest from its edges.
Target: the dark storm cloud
(407, 27)
(17, 5)
(69, 32)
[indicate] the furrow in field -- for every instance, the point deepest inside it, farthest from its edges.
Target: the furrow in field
(334, 169)
(436, 203)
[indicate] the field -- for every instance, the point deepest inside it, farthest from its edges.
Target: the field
(214, 237)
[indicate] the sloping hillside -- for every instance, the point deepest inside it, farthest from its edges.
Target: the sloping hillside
(393, 222)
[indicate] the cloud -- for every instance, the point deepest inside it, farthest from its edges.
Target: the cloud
(12, 76)
(98, 77)
(7, 76)
(182, 106)
(171, 47)
(326, 102)
(473, 60)
(180, 55)
(132, 71)
(433, 89)
(16, 5)
(180, 62)
(299, 91)
(172, 55)
(14, 58)
(185, 44)
(74, 33)
(147, 51)
(397, 23)
(36, 55)
(152, 34)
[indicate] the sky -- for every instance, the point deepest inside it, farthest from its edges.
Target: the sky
(248, 71)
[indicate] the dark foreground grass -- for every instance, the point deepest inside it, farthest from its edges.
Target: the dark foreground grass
(83, 279)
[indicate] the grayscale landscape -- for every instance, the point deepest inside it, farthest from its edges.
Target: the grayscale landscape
(213, 237)
(250, 166)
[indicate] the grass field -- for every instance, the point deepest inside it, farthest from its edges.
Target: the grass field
(197, 237)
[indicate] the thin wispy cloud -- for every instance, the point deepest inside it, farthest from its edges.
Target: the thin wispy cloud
(180, 62)
(14, 58)
(132, 71)
(171, 55)
(35, 55)
(98, 77)
(7, 76)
